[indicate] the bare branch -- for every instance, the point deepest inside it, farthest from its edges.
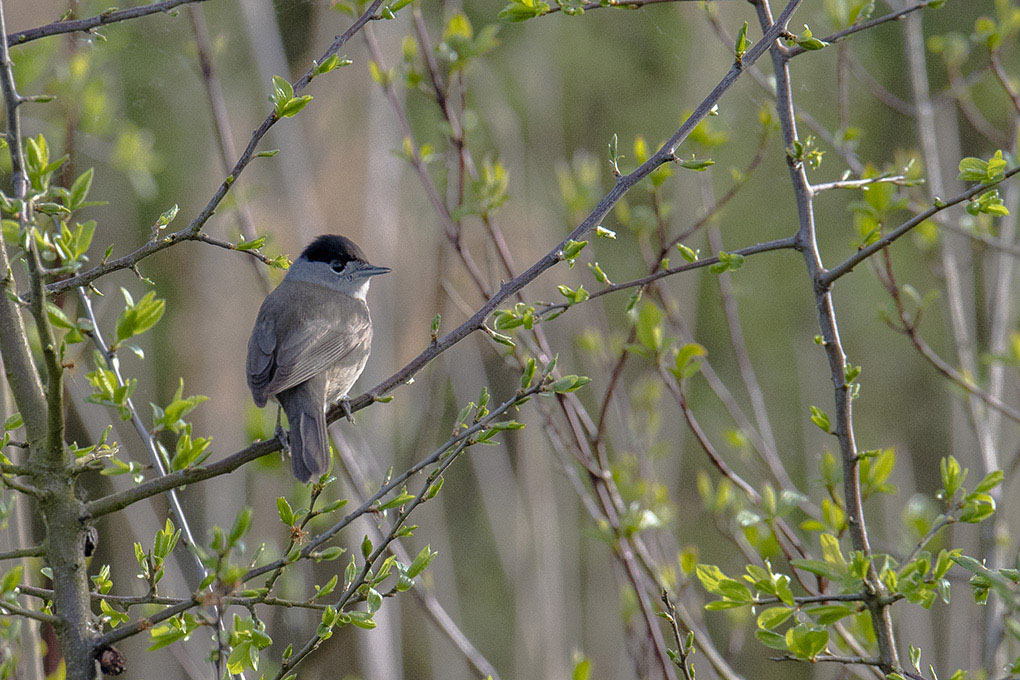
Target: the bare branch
(14, 610)
(122, 499)
(34, 551)
(826, 278)
(788, 243)
(87, 25)
(863, 26)
(898, 180)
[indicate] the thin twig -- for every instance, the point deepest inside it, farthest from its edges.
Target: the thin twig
(827, 278)
(898, 180)
(192, 231)
(863, 26)
(18, 553)
(13, 609)
(87, 25)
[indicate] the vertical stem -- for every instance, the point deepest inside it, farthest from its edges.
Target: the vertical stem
(31, 651)
(808, 244)
(63, 512)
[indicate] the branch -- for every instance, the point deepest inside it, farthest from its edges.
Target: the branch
(15, 610)
(826, 658)
(397, 481)
(224, 138)
(122, 499)
(909, 327)
(21, 487)
(1003, 78)
(665, 154)
(19, 367)
(863, 26)
(676, 389)
(766, 84)
(192, 231)
(203, 238)
(425, 597)
(898, 180)
(807, 239)
(788, 243)
(18, 553)
(826, 278)
(623, 4)
(86, 25)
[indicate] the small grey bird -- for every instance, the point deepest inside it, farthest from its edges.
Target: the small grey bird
(310, 343)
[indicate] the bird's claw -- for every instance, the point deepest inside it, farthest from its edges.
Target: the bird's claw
(283, 436)
(345, 406)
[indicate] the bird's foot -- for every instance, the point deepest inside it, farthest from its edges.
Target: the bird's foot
(345, 406)
(283, 436)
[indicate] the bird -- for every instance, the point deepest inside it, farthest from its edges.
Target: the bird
(310, 343)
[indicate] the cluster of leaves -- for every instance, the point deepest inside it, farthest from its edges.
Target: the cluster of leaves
(921, 579)
(991, 171)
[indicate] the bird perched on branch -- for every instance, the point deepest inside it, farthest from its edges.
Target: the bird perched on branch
(310, 343)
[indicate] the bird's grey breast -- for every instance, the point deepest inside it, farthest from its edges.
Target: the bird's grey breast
(342, 375)
(304, 330)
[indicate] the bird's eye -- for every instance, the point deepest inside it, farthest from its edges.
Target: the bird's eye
(338, 265)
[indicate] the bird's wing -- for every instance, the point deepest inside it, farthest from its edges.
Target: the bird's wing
(292, 342)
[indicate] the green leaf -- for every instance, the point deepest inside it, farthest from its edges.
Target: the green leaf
(421, 562)
(79, 190)
(697, 165)
(253, 244)
(522, 10)
(569, 383)
(687, 252)
(830, 613)
(326, 589)
(582, 671)
(808, 41)
(774, 616)
(991, 480)
(11, 580)
(771, 639)
(139, 317)
(286, 104)
(400, 499)
(740, 48)
(284, 510)
(366, 547)
(821, 419)
(687, 363)
(241, 524)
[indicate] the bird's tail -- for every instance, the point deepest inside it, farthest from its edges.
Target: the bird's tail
(306, 414)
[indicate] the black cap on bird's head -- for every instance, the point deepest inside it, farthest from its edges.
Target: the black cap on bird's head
(330, 247)
(338, 251)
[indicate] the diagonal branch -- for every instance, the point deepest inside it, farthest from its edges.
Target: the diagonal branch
(863, 26)
(827, 278)
(87, 25)
(194, 228)
(665, 154)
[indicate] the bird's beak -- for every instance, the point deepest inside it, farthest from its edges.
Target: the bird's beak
(371, 270)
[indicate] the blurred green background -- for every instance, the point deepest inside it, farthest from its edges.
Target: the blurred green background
(521, 566)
